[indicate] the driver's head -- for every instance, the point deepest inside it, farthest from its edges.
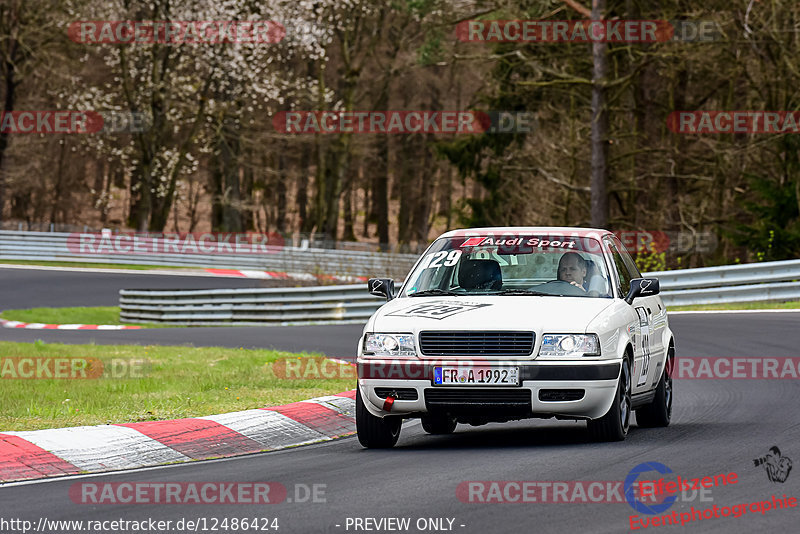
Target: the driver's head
(572, 268)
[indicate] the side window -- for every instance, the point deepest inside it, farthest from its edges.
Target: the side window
(630, 265)
(622, 270)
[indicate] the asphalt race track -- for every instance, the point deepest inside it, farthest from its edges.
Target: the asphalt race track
(718, 426)
(34, 288)
(31, 288)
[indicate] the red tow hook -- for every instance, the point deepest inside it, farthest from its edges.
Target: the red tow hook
(388, 403)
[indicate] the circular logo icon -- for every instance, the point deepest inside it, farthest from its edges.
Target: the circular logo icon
(630, 485)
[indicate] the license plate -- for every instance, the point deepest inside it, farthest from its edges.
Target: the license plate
(475, 376)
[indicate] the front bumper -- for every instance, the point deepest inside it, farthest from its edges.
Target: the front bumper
(575, 389)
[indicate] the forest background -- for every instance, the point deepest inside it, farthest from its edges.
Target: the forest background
(211, 158)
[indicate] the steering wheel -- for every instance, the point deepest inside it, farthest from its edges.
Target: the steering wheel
(562, 285)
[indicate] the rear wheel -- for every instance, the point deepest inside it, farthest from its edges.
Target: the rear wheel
(438, 424)
(659, 412)
(613, 426)
(375, 432)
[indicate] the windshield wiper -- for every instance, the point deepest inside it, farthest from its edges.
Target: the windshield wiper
(433, 292)
(524, 292)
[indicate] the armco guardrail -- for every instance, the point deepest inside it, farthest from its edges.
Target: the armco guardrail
(52, 246)
(749, 282)
(325, 304)
(352, 303)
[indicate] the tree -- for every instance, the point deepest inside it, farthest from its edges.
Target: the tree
(182, 88)
(28, 40)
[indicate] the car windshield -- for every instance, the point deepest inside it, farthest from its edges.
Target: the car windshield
(519, 265)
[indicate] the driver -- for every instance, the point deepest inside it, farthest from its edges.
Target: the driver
(572, 268)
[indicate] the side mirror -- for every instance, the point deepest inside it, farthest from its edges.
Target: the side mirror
(381, 287)
(642, 287)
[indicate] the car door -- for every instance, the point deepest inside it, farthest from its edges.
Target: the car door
(653, 317)
(639, 324)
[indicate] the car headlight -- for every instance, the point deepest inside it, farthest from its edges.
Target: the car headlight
(395, 345)
(570, 345)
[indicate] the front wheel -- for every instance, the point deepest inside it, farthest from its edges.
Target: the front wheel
(375, 432)
(613, 426)
(438, 424)
(659, 412)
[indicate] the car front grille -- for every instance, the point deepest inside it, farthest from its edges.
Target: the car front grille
(469, 401)
(475, 343)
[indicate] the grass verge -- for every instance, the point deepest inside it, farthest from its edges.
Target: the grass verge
(792, 305)
(151, 383)
(83, 315)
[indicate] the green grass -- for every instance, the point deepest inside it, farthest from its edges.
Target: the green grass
(90, 265)
(175, 382)
(96, 315)
(740, 306)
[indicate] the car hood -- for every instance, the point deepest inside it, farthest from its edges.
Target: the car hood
(509, 312)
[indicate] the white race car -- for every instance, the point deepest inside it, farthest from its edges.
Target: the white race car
(498, 324)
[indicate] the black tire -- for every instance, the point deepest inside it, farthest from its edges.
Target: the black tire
(613, 426)
(438, 424)
(659, 412)
(375, 432)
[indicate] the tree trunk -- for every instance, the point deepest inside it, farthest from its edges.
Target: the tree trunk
(320, 180)
(426, 180)
(380, 190)
(8, 106)
(280, 189)
(406, 188)
(367, 187)
(226, 215)
(54, 208)
(105, 178)
(142, 208)
(379, 202)
(347, 198)
(599, 179)
(302, 189)
(321, 147)
(446, 195)
(194, 200)
(248, 204)
(337, 172)
(331, 200)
